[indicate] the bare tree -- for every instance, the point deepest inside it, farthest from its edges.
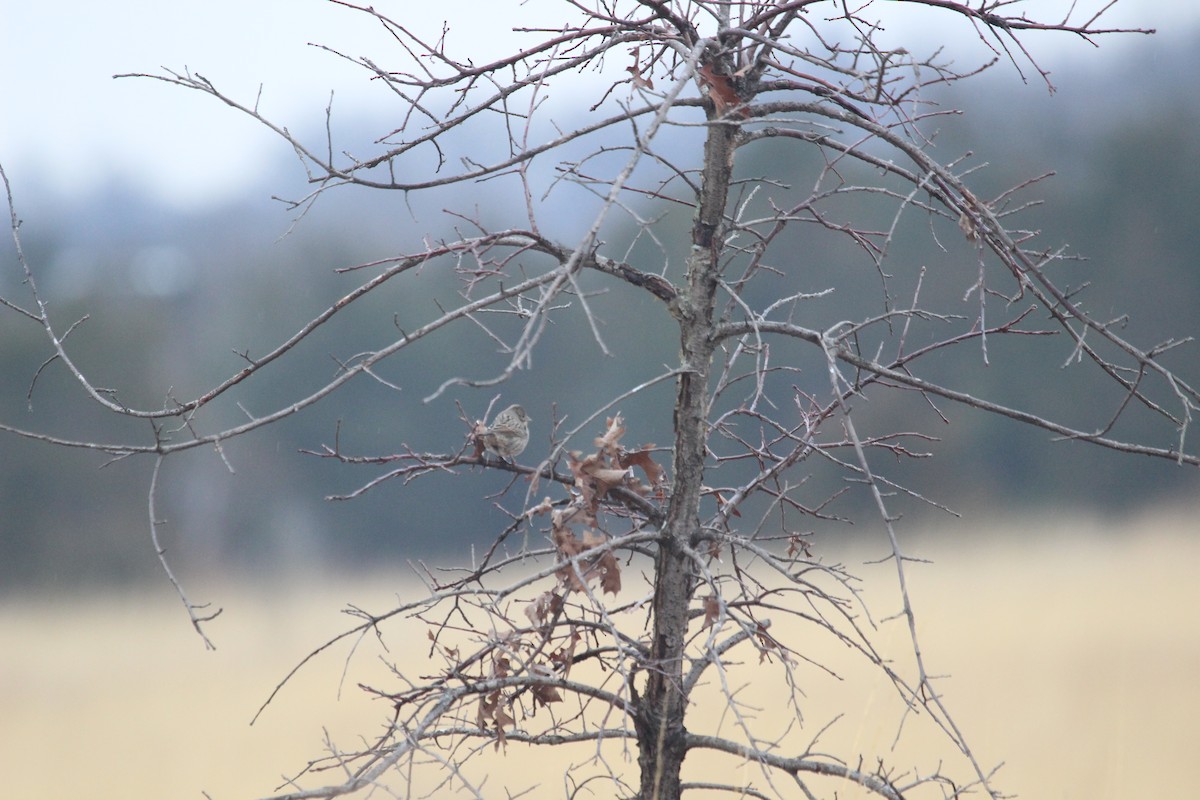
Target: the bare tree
(635, 579)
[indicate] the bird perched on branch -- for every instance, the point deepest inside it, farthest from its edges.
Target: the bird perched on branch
(508, 434)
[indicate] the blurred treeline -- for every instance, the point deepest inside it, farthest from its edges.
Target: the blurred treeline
(172, 298)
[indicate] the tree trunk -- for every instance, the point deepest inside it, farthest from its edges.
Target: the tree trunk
(660, 716)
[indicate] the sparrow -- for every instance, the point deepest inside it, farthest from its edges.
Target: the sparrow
(508, 434)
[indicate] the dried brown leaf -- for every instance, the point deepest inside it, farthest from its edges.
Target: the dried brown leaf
(502, 719)
(543, 607)
(544, 507)
(712, 610)
(589, 502)
(608, 477)
(477, 438)
(564, 657)
(797, 545)
(568, 547)
(721, 91)
(491, 711)
(768, 643)
(722, 503)
(635, 71)
(967, 226)
(487, 708)
(605, 565)
(610, 441)
(641, 458)
(545, 694)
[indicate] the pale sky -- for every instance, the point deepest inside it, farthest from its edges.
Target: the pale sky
(64, 120)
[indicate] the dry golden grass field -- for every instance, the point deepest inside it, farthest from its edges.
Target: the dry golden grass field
(1073, 650)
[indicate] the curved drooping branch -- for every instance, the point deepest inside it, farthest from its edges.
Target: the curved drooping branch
(897, 372)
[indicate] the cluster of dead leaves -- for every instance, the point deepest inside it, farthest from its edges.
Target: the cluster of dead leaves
(597, 474)
(612, 466)
(494, 707)
(493, 715)
(545, 666)
(583, 562)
